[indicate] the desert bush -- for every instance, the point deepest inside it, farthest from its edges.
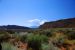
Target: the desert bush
(23, 38)
(3, 32)
(70, 35)
(46, 33)
(35, 40)
(58, 39)
(20, 37)
(8, 46)
(45, 47)
(4, 37)
(10, 31)
(49, 46)
(37, 37)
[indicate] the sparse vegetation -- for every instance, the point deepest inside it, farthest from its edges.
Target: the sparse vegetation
(8, 46)
(35, 41)
(50, 39)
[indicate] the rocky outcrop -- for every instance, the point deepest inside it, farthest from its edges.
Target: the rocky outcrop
(65, 23)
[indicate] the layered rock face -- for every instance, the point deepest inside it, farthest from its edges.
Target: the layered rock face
(65, 23)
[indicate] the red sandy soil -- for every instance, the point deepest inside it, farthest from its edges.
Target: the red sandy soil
(23, 46)
(72, 47)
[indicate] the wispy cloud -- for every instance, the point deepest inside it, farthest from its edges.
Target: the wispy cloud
(36, 22)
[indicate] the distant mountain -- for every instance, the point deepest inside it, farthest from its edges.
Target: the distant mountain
(34, 26)
(64, 23)
(13, 27)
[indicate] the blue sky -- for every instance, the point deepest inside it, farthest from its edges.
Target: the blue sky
(35, 12)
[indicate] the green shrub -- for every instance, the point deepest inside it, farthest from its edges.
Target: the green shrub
(45, 47)
(49, 46)
(35, 41)
(4, 37)
(70, 35)
(37, 37)
(46, 33)
(23, 38)
(8, 46)
(58, 40)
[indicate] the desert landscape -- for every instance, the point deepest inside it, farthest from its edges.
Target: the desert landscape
(37, 24)
(46, 37)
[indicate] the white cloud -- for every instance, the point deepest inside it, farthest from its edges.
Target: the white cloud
(36, 22)
(42, 22)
